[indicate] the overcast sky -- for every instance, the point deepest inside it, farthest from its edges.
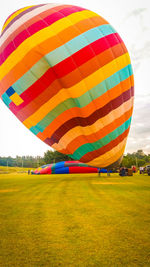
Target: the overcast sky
(131, 18)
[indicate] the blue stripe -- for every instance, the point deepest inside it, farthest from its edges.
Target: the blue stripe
(10, 91)
(6, 99)
(60, 164)
(76, 44)
(62, 170)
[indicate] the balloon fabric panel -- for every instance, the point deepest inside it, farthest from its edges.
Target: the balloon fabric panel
(66, 167)
(66, 74)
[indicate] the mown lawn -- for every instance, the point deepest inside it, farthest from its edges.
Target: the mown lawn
(74, 220)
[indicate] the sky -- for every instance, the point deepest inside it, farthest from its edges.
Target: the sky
(131, 19)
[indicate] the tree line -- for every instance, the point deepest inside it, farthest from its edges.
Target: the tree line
(33, 162)
(138, 159)
(24, 161)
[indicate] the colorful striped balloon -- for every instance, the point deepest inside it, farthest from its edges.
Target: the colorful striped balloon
(66, 167)
(66, 75)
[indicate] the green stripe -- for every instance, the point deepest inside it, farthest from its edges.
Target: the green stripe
(84, 99)
(82, 165)
(59, 54)
(89, 147)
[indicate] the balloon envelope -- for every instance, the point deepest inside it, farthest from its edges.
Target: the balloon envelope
(66, 74)
(65, 167)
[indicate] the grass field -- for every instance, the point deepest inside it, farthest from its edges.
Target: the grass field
(74, 220)
(6, 170)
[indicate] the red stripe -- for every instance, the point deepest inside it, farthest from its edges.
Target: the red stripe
(80, 169)
(88, 68)
(64, 67)
(85, 54)
(47, 170)
(34, 90)
(39, 25)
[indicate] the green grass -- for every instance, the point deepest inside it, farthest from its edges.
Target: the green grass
(74, 220)
(4, 169)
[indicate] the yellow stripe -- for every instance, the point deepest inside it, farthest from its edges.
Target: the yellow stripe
(75, 91)
(14, 15)
(94, 128)
(109, 157)
(16, 99)
(40, 37)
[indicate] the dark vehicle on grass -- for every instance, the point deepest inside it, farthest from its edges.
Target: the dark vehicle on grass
(148, 169)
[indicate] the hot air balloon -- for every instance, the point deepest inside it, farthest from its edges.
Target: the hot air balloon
(66, 167)
(66, 75)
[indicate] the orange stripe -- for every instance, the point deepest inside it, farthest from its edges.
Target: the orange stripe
(92, 65)
(29, 22)
(96, 153)
(86, 69)
(87, 110)
(97, 135)
(46, 47)
(109, 157)
(95, 127)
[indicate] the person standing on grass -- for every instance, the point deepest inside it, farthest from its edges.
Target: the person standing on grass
(108, 173)
(99, 171)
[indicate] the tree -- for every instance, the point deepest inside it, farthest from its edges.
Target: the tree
(54, 156)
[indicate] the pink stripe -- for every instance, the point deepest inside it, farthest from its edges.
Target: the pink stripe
(29, 21)
(11, 15)
(19, 16)
(41, 24)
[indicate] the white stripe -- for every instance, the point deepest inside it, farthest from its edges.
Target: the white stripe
(23, 19)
